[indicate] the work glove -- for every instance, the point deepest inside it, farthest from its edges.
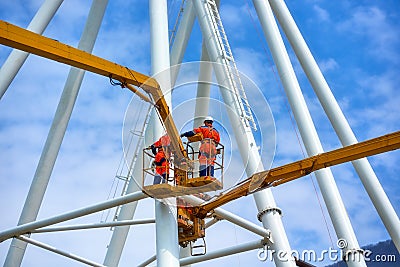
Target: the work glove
(153, 149)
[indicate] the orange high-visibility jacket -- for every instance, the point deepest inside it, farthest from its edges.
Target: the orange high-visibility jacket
(208, 133)
(162, 165)
(160, 160)
(163, 141)
(208, 145)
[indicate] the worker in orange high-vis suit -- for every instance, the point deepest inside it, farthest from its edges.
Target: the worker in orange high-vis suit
(163, 142)
(160, 149)
(208, 150)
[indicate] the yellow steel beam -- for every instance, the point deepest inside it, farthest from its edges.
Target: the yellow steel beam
(22, 39)
(292, 171)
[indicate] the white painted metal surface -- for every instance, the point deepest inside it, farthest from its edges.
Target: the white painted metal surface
(16, 59)
(339, 122)
(56, 133)
(167, 247)
(244, 138)
(307, 130)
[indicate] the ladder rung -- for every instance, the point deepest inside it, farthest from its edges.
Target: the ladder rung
(230, 66)
(124, 178)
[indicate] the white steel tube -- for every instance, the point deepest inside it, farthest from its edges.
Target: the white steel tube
(223, 252)
(167, 247)
(56, 133)
(120, 233)
(17, 58)
(160, 62)
(246, 143)
(339, 122)
(28, 227)
(203, 88)
(148, 261)
(212, 222)
(58, 251)
(329, 190)
(181, 39)
(233, 218)
(184, 253)
(92, 226)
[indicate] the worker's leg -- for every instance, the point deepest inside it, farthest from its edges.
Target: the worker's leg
(157, 179)
(210, 170)
(203, 170)
(164, 178)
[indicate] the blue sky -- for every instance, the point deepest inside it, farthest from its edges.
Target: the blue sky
(356, 44)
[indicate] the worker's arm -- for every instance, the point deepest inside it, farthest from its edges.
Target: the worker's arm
(217, 137)
(160, 162)
(153, 149)
(189, 133)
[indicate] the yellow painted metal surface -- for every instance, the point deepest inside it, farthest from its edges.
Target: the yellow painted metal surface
(22, 39)
(16, 37)
(295, 170)
(19, 38)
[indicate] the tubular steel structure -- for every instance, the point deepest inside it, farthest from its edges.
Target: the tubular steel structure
(173, 219)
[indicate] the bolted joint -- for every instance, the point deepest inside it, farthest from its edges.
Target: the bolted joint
(267, 210)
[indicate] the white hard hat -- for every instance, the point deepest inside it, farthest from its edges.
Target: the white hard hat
(208, 118)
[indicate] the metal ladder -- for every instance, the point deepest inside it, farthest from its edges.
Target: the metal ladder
(140, 137)
(177, 22)
(231, 70)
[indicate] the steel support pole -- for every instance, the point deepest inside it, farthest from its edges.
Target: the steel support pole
(30, 226)
(58, 251)
(329, 190)
(154, 129)
(148, 261)
(93, 225)
(181, 39)
(338, 120)
(17, 58)
(203, 88)
(184, 253)
(120, 233)
(233, 218)
(167, 247)
(223, 252)
(246, 143)
(56, 134)
(187, 261)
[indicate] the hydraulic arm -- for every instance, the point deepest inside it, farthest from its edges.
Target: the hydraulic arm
(19, 38)
(292, 171)
(30, 42)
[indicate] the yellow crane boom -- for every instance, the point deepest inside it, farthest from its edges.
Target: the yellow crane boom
(30, 42)
(22, 39)
(292, 171)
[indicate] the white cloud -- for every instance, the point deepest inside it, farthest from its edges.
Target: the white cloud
(321, 13)
(373, 24)
(327, 65)
(92, 146)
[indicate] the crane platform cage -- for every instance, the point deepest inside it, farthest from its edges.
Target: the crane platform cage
(182, 176)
